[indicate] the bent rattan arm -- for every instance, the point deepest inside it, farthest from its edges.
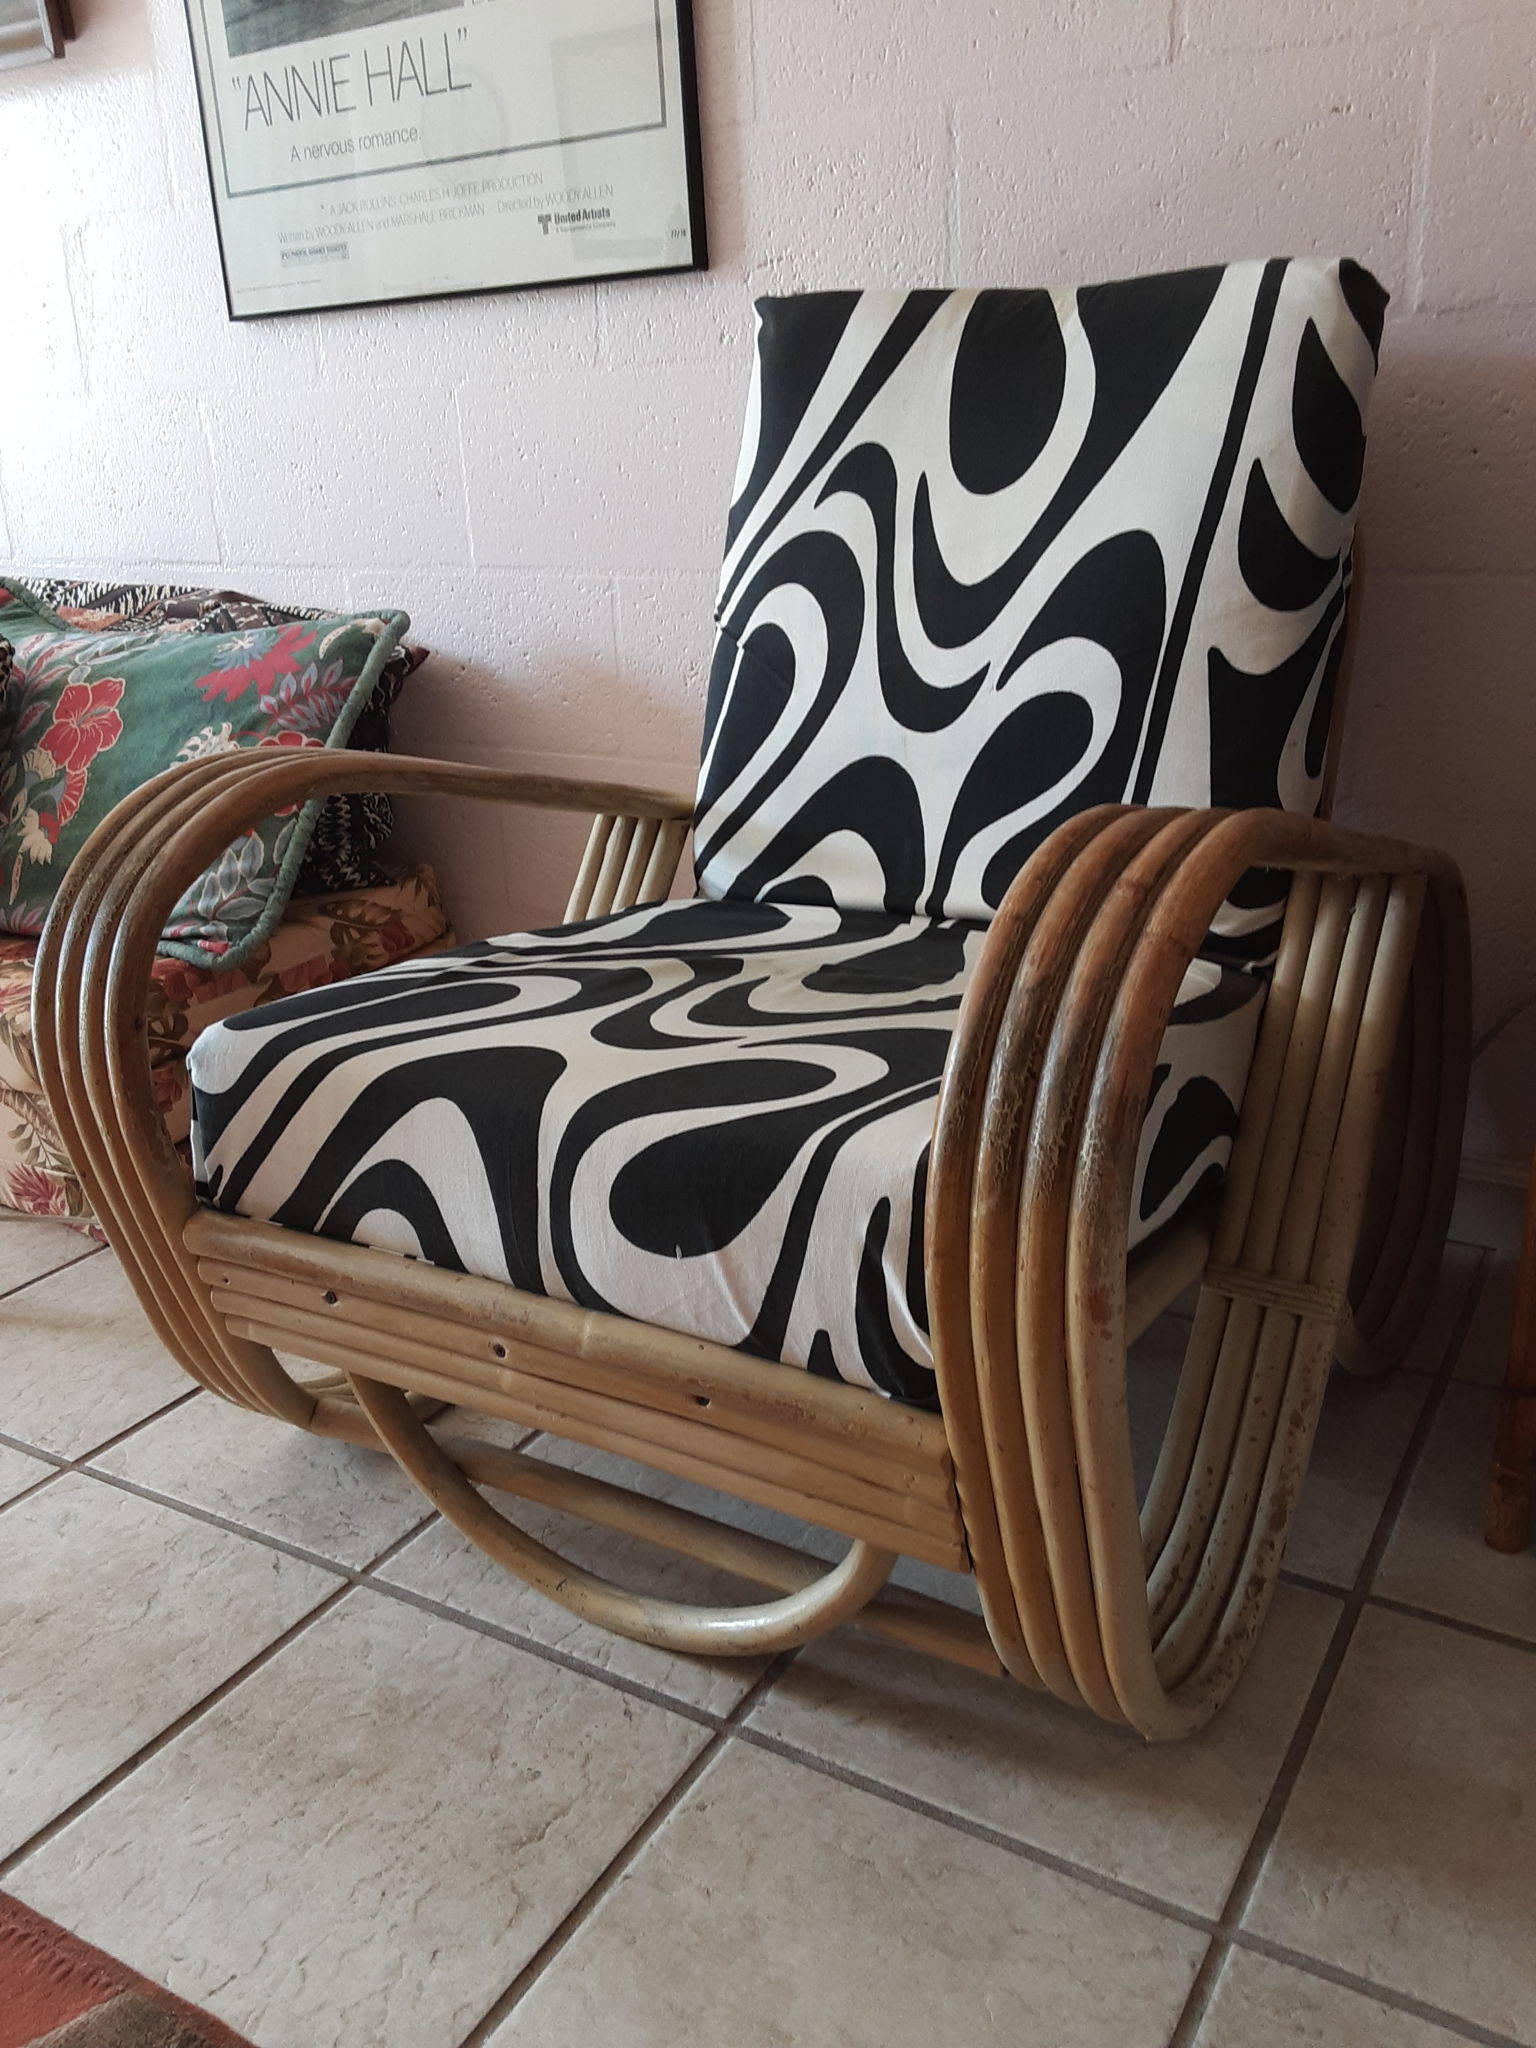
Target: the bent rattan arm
(95, 962)
(1146, 1613)
(1144, 1616)
(100, 942)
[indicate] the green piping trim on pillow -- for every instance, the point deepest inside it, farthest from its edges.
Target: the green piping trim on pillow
(23, 593)
(396, 626)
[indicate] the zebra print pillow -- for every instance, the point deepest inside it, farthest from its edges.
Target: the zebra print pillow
(997, 556)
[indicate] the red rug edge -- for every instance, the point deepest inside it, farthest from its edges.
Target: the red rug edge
(67, 1978)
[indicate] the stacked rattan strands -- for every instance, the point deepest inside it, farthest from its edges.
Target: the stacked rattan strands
(1148, 1617)
(887, 1488)
(115, 903)
(1145, 1614)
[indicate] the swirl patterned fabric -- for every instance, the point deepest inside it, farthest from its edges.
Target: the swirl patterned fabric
(711, 1116)
(994, 557)
(998, 556)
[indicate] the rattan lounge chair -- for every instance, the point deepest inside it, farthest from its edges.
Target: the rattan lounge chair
(1024, 987)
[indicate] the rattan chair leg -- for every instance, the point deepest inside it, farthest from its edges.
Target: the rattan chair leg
(759, 1631)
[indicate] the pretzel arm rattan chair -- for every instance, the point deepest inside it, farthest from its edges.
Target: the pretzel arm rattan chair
(1055, 987)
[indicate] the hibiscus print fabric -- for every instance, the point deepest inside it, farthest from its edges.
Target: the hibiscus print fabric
(353, 831)
(320, 940)
(53, 775)
(93, 712)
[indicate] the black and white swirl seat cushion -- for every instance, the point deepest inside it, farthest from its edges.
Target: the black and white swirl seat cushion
(994, 557)
(711, 1116)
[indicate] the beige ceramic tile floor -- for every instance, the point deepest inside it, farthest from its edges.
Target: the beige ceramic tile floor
(275, 1736)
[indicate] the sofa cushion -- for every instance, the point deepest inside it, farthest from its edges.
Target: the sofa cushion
(91, 715)
(352, 831)
(999, 556)
(320, 940)
(710, 1116)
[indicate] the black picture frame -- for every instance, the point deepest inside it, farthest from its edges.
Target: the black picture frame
(677, 62)
(33, 31)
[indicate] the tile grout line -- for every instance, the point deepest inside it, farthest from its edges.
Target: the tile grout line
(1480, 1630)
(152, 1748)
(1224, 1937)
(732, 1727)
(85, 1467)
(366, 1575)
(1238, 1938)
(389, 1589)
(721, 1726)
(632, 1688)
(352, 1578)
(162, 1739)
(1166, 1909)
(52, 1469)
(52, 1273)
(1191, 2020)
(61, 1465)
(108, 1443)
(723, 1732)
(35, 1486)
(363, 1574)
(592, 1898)
(980, 1831)
(1385, 1603)
(111, 1443)
(1367, 1987)
(207, 1516)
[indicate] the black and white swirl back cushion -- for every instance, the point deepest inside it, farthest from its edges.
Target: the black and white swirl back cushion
(997, 556)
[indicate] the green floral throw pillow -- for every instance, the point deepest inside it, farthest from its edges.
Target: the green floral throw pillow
(89, 716)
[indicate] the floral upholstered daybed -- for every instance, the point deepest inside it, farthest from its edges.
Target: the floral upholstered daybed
(101, 687)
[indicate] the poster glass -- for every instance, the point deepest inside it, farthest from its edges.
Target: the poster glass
(366, 150)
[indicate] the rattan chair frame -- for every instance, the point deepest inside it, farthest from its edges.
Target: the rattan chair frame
(1142, 1611)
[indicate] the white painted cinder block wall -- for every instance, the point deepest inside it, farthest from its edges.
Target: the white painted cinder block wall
(540, 480)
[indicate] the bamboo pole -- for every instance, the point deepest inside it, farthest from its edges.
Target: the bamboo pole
(496, 1363)
(594, 1418)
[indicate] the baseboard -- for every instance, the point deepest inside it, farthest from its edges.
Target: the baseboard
(1490, 1202)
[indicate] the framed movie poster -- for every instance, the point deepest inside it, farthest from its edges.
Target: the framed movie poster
(366, 150)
